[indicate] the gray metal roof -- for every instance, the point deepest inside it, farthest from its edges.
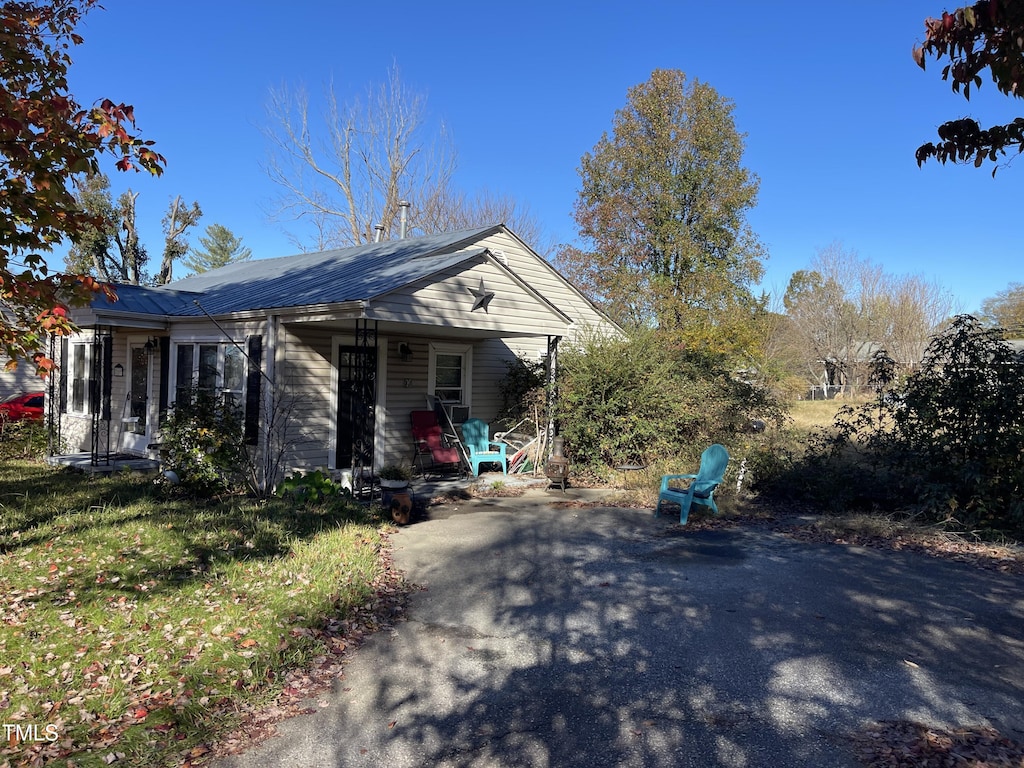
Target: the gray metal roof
(358, 273)
(147, 300)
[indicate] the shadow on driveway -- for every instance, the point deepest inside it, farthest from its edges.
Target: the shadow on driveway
(592, 637)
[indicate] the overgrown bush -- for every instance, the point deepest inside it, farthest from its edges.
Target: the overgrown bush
(523, 394)
(639, 401)
(202, 444)
(945, 444)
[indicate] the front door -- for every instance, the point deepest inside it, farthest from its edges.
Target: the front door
(137, 429)
(357, 397)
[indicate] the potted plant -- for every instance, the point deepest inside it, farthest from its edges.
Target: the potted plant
(394, 476)
(394, 491)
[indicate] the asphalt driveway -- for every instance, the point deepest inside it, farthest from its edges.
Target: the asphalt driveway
(599, 637)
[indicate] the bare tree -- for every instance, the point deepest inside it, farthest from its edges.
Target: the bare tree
(916, 308)
(461, 211)
(844, 308)
(132, 252)
(345, 172)
(1006, 310)
(176, 222)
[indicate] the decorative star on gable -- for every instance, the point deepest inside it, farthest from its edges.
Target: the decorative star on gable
(483, 297)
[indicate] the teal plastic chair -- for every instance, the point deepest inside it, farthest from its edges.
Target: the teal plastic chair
(701, 489)
(482, 450)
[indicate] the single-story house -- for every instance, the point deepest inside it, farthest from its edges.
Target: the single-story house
(345, 342)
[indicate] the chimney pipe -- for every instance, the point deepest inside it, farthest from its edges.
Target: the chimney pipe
(403, 218)
(378, 233)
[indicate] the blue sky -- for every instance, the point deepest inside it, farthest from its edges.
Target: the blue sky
(828, 95)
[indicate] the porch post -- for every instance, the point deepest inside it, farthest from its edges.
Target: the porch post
(365, 412)
(273, 426)
(552, 390)
(101, 370)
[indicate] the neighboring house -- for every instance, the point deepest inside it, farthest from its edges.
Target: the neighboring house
(21, 379)
(849, 372)
(345, 343)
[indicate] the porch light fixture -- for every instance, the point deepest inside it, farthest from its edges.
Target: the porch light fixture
(404, 351)
(151, 345)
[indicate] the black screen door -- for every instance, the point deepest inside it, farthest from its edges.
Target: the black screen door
(357, 374)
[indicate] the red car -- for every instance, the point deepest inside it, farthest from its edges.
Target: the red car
(28, 405)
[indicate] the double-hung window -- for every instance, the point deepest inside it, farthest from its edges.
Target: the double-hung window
(450, 378)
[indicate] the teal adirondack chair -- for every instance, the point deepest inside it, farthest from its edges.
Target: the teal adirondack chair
(482, 450)
(701, 489)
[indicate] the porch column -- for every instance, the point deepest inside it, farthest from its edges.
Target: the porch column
(552, 390)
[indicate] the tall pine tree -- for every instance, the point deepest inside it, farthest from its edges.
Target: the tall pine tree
(221, 247)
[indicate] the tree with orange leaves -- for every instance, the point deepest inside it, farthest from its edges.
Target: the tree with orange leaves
(48, 141)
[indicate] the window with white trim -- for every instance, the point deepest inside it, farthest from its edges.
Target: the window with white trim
(210, 368)
(450, 377)
(81, 357)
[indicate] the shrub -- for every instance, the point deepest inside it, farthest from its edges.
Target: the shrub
(639, 401)
(395, 472)
(203, 445)
(523, 394)
(958, 428)
(945, 444)
(311, 488)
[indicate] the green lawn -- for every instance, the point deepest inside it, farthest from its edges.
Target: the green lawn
(133, 626)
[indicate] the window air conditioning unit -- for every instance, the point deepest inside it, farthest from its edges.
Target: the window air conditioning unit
(459, 414)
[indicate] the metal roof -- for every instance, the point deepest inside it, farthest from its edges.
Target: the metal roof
(358, 273)
(147, 300)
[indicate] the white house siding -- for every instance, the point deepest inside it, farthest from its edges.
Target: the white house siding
(404, 389)
(447, 299)
(406, 386)
(21, 379)
(76, 429)
(304, 375)
(543, 278)
(490, 359)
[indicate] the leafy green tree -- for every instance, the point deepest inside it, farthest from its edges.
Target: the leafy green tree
(47, 143)
(985, 35)
(824, 321)
(661, 213)
(220, 248)
(1006, 310)
(92, 245)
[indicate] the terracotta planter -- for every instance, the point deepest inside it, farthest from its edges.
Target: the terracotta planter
(396, 498)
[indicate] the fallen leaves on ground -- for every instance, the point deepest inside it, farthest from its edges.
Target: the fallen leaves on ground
(340, 638)
(905, 744)
(1005, 558)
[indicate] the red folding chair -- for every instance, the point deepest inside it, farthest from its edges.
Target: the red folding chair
(429, 442)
